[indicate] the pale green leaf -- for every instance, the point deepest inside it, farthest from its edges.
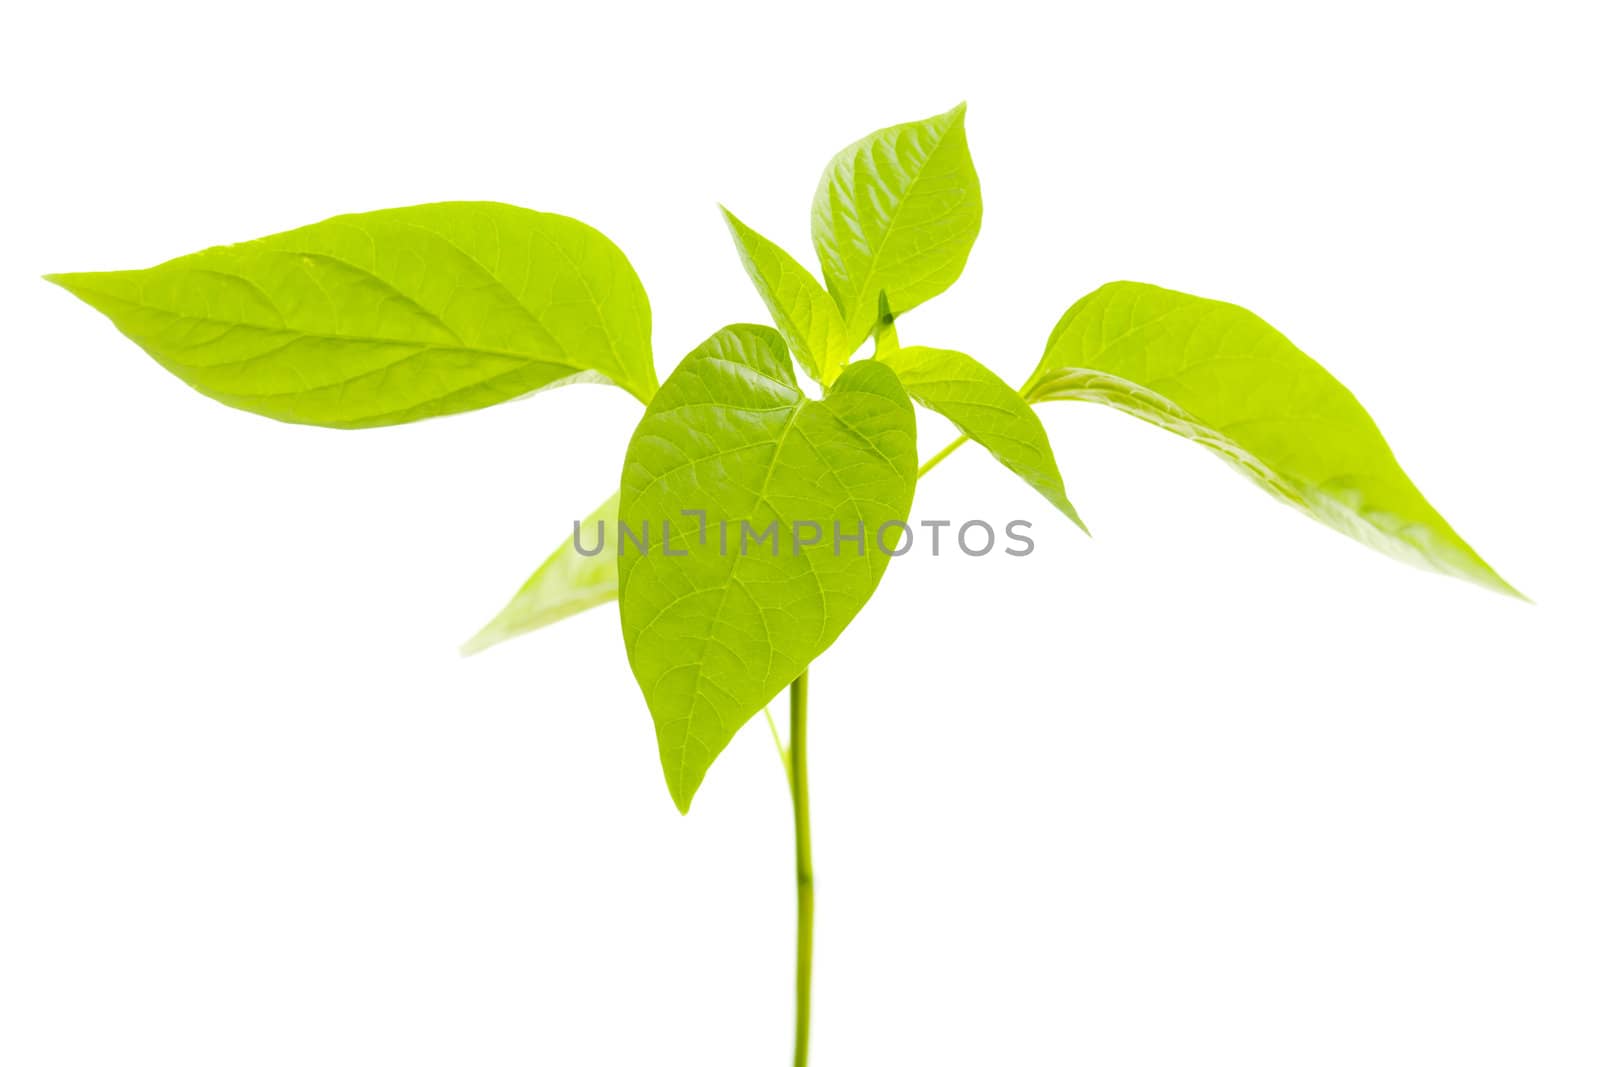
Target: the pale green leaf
(987, 410)
(715, 633)
(801, 308)
(389, 316)
(896, 213)
(1219, 375)
(566, 583)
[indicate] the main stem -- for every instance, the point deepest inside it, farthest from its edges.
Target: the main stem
(802, 868)
(800, 791)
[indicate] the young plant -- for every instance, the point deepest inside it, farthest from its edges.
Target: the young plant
(750, 522)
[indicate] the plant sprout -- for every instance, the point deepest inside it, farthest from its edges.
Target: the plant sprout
(750, 522)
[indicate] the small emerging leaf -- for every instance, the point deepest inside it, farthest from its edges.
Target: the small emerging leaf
(987, 410)
(565, 584)
(897, 213)
(800, 307)
(389, 316)
(719, 625)
(885, 334)
(1219, 375)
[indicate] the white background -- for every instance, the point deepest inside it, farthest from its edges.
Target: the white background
(1216, 787)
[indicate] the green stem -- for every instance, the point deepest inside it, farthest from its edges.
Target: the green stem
(800, 792)
(802, 868)
(939, 456)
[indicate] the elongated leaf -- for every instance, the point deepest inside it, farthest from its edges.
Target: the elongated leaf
(715, 633)
(1217, 374)
(389, 316)
(566, 583)
(897, 213)
(987, 410)
(800, 306)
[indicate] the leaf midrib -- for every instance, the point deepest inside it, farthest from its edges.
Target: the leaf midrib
(894, 216)
(322, 335)
(722, 600)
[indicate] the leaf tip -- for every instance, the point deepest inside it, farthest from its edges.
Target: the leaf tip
(1057, 495)
(1485, 576)
(682, 781)
(1500, 585)
(493, 632)
(1064, 506)
(681, 800)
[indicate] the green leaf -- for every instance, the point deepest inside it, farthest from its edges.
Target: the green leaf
(959, 388)
(566, 583)
(897, 213)
(389, 316)
(802, 310)
(1219, 375)
(715, 633)
(987, 410)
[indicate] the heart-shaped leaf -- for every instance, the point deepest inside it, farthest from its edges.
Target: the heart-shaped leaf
(389, 316)
(1219, 375)
(987, 410)
(897, 213)
(740, 488)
